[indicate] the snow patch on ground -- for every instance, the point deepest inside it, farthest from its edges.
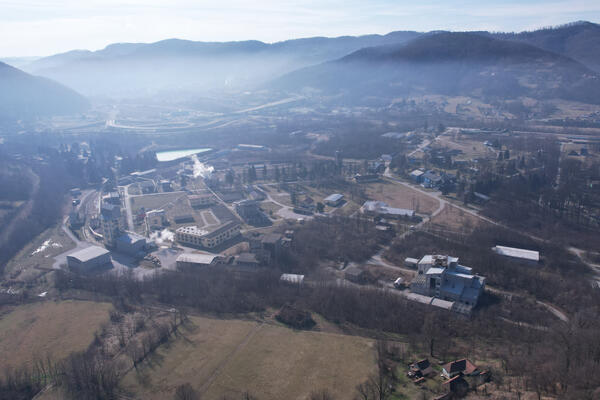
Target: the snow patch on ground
(45, 245)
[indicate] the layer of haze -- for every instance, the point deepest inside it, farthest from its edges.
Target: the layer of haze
(44, 27)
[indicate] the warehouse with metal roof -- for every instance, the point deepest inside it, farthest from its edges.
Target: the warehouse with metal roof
(88, 258)
(187, 260)
(522, 254)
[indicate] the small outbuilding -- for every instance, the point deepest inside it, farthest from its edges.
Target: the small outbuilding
(420, 369)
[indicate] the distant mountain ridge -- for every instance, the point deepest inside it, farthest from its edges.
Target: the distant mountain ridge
(130, 68)
(23, 96)
(451, 64)
(189, 67)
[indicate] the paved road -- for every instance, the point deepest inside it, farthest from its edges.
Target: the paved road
(285, 212)
(125, 193)
(79, 245)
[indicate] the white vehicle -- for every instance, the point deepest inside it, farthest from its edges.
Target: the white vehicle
(399, 283)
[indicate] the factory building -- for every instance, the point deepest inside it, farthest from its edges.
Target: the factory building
(131, 244)
(198, 200)
(111, 222)
(442, 277)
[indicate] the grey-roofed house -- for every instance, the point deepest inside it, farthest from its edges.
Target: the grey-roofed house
(90, 257)
(366, 178)
(417, 175)
(431, 179)
(334, 200)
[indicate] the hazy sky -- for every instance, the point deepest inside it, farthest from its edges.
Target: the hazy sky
(43, 27)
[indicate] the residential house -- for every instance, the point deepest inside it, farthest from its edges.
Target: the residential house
(366, 178)
(376, 167)
(334, 200)
(417, 175)
(431, 180)
(420, 369)
(459, 367)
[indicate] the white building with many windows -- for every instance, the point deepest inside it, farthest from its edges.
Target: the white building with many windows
(207, 237)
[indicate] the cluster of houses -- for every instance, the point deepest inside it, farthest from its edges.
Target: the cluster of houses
(431, 179)
(459, 376)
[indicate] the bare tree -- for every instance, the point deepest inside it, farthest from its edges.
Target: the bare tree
(321, 395)
(186, 392)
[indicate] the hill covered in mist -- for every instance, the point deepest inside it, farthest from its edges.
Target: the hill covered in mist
(558, 62)
(451, 64)
(23, 96)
